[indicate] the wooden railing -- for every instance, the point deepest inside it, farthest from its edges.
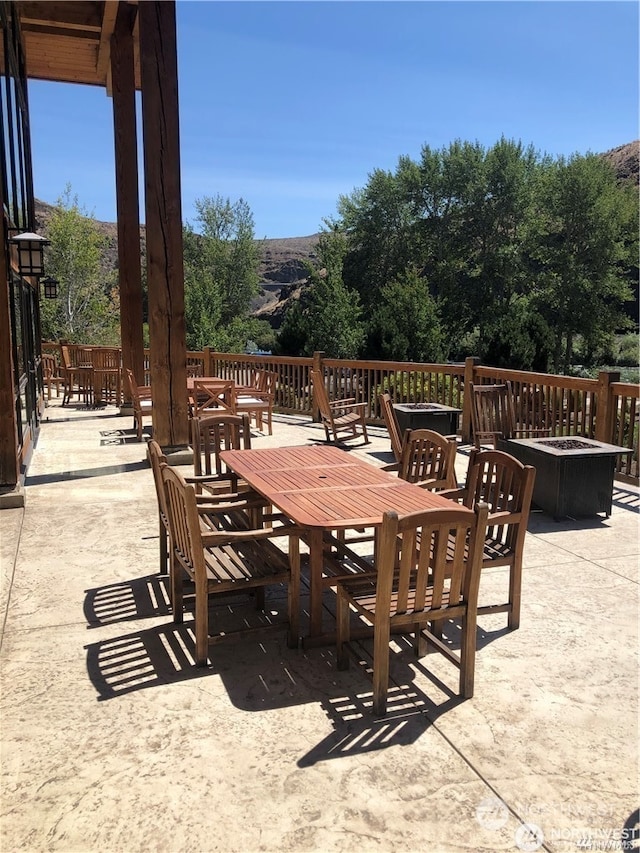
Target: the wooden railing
(604, 409)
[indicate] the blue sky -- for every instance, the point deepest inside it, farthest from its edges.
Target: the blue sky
(290, 104)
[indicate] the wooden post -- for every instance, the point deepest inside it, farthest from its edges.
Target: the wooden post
(165, 277)
(469, 374)
(126, 161)
(317, 365)
(605, 411)
(9, 462)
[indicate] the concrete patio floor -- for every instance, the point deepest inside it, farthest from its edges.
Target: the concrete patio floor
(113, 741)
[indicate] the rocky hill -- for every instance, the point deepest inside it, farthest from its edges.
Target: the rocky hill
(282, 269)
(624, 160)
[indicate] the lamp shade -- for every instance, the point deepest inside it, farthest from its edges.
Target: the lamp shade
(30, 252)
(49, 286)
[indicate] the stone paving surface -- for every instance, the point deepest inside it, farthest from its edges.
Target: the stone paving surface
(111, 740)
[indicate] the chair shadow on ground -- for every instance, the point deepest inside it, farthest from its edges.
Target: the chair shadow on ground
(124, 436)
(138, 598)
(261, 673)
(625, 498)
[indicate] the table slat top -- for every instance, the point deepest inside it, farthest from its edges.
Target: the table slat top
(325, 487)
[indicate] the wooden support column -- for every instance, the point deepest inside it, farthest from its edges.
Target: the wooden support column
(9, 461)
(165, 278)
(126, 157)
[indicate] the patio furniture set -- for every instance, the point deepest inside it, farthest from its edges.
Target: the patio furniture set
(237, 524)
(209, 394)
(93, 374)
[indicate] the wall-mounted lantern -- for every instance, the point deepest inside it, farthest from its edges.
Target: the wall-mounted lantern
(30, 252)
(49, 286)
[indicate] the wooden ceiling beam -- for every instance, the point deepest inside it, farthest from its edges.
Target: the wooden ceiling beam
(109, 15)
(71, 41)
(62, 15)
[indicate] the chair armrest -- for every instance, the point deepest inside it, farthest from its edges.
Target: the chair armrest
(209, 478)
(227, 506)
(453, 494)
(228, 537)
(345, 404)
(341, 403)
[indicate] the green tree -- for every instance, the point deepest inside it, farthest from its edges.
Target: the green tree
(377, 222)
(407, 327)
(293, 334)
(590, 241)
(202, 296)
(499, 229)
(462, 217)
(221, 263)
(87, 307)
(328, 316)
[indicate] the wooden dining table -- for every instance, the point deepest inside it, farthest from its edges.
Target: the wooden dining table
(324, 489)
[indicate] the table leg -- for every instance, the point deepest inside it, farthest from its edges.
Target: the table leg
(316, 565)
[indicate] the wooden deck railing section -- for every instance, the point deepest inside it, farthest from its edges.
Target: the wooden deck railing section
(604, 409)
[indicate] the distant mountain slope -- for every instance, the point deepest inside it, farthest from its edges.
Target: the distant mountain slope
(624, 160)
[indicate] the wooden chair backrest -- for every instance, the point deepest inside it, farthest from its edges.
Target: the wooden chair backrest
(492, 410)
(428, 458)
(76, 355)
(49, 366)
(431, 558)
(393, 427)
(506, 486)
(266, 383)
(158, 459)
(209, 394)
(132, 386)
(65, 358)
(184, 523)
(210, 434)
(320, 395)
(105, 358)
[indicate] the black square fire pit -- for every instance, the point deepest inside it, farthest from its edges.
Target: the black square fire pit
(574, 475)
(435, 416)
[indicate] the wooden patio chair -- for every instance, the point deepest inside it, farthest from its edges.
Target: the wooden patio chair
(259, 403)
(51, 375)
(225, 561)
(107, 375)
(210, 435)
(76, 370)
(392, 425)
(140, 396)
(428, 459)
(214, 512)
(339, 416)
(415, 586)
(506, 486)
(493, 416)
